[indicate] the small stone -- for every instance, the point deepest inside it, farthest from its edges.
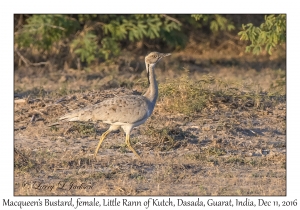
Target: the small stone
(219, 128)
(206, 128)
(249, 154)
(219, 141)
(265, 152)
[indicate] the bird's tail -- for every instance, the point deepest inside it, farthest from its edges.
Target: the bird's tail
(72, 116)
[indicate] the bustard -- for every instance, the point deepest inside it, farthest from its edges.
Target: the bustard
(126, 112)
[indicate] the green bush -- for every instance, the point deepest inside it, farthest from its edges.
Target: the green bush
(85, 46)
(91, 37)
(216, 22)
(269, 34)
(42, 31)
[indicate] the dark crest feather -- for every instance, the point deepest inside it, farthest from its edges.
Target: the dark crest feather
(148, 75)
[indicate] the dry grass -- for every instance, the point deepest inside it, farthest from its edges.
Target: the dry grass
(220, 132)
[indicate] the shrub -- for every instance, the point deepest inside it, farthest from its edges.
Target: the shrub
(89, 37)
(269, 34)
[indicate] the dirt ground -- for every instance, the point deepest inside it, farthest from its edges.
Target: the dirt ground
(232, 146)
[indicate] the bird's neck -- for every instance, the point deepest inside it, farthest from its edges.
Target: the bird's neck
(152, 92)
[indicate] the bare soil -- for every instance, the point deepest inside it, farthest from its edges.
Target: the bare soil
(230, 147)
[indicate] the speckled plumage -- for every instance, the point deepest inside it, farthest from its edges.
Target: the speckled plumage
(124, 111)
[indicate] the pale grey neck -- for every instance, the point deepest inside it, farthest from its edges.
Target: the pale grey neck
(152, 92)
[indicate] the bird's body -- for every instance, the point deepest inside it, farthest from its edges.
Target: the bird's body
(126, 112)
(118, 109)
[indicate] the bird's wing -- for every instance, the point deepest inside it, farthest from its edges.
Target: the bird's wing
(125, 109)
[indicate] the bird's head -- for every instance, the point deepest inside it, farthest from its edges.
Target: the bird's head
(153, 57)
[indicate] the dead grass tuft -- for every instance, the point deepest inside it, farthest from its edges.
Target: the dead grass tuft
(183, 95)
(188, 96)
(22, 161)
(165, 138)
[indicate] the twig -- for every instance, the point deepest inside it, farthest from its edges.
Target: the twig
(228, 42)
(38, 112)
(53, 124)
(231, 36)
(19, 101)
(99, 23)
(53, 26)
(137, 66)
(42, 25)
(22, 58)
(40, 63)
(33, 119)
(27, 62)
(173, 19)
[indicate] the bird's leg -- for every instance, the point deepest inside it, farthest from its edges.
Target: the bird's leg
(129, 146)
(101, 139)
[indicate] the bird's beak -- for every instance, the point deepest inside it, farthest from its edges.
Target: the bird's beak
(162, 55)
(165, 54)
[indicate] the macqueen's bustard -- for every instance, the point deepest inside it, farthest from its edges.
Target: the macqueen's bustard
(127, 111)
